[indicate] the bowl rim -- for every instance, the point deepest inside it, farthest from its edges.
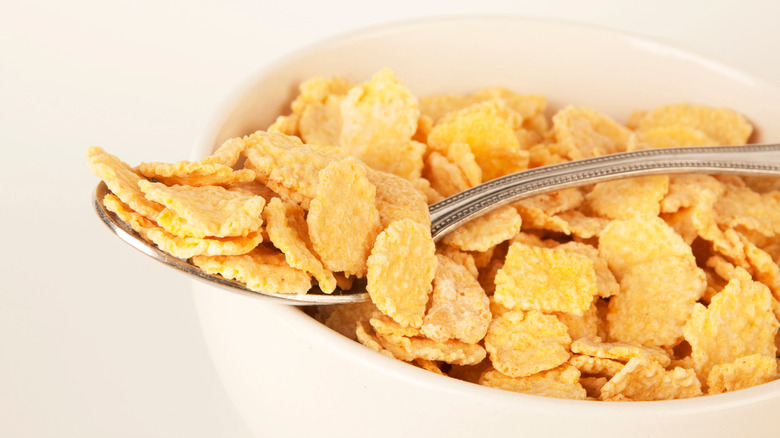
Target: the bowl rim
(309, 327)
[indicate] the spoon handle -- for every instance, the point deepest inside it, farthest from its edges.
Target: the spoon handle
(751, 160)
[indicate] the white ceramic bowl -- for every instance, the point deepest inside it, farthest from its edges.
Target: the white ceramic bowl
(290, 376)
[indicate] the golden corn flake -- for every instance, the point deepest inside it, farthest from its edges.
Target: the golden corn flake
(619, 241)
(741, 206)
(429, 365)
(527, 105)
(463, 258)
(580, 225)
(625, 198)
(524, 343)
(445, 177)
(263, 269)
(205, 211)
(344, 317)
(181, 247)
(554, 202)
(605, 280)
(122, 180)
(621, 351)
(583, 325)
(766, 269)
(343, 219)
(584, 132)
(460, 155)
(288, 231)
(452, 351)
(645, 379)
(286, 165)
(665, 305)
(228, 153)
(194, 173)
(690, 190)
(486, 231)
(364, 335)
(596, 366)
(320, 122)
(742, 373)
(548, 280)
(379, 119)
(724, 126)
(397, 198)
(675, 136)
(401, 269)
(459, 308)
(738, 322)
(488, 128)
(560, 382)
(385, 325)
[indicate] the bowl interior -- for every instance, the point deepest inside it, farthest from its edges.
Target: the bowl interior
(266, 351)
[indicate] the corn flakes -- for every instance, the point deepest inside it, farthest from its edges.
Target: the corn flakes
(548, 280)
(459, 308)
(289, 232)
(645, 379)
(738, 322)
(524, 343)
(343, 219)
(744, 372)
(486, 231)
(261, 269)
(560, 382)
(122, 180)
(205, 211)
(401, 289)
(665, 306)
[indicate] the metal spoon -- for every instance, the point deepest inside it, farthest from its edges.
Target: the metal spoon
(752, 160)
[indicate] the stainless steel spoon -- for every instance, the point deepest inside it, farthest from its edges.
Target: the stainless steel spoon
(752, 160)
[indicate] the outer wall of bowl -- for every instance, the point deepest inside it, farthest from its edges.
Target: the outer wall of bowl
(290, 376)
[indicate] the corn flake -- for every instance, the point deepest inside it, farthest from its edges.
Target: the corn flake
(625, 198)
(397, 198)
(401, 269)
(122, 180)
(620, 239)
(452, 351)
(286, 165)
(459, 308)
(596, 366)
(744, 372)
(724, 126)
(288, 231)
(489, 129)
(584, 132)
(486, 231)
(263, 269)
(343, 219)
(645, 379)
(560, 382)
(665, 306)
(548, 280)
(205, 211)
(738, 322)
(621, 351)
(524, 343)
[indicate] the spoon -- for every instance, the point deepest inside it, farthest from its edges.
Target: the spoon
(448, 214)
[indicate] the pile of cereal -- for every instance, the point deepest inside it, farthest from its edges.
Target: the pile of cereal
(650, 288)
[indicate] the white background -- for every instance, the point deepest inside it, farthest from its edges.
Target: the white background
(97, 340)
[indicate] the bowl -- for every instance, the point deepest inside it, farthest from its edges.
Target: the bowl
(288, 375)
